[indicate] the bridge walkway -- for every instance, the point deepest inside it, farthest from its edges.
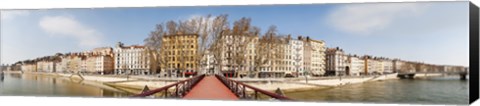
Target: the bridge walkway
(210, 87)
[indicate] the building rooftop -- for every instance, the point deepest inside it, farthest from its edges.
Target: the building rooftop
(134, 46)
(179, 34)
(334, 49)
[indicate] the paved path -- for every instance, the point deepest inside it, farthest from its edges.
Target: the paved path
(211, 88)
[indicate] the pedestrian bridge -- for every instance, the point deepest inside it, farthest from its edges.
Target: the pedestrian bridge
(211, 87)
(410, 75)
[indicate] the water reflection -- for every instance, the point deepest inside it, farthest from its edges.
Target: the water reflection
(16, 75)
(39, 85)
(2, 77)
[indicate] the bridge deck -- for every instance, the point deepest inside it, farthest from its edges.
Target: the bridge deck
(211, 88)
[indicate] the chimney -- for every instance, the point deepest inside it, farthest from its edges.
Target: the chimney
(119, 44)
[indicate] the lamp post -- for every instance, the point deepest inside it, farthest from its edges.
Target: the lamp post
(305, 74)
(128, 74)
(340, 77)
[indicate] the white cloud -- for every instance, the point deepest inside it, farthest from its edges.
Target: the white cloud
(69, 27)
(364, 19)
(194, 16)
(11, 14)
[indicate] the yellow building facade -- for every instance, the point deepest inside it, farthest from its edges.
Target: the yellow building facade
(180, 53)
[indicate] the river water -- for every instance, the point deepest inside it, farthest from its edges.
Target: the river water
(441, 90)
(14, 84)
(438, 90)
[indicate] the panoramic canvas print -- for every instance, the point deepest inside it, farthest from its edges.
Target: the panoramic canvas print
(411, 52)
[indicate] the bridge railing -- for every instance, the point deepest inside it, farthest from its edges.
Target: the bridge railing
(181, 88)
(239, 89)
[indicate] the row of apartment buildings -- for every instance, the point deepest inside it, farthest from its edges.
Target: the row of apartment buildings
(98, 60)
(179, 53)
(301, 56)
(298, 57)
(339, 64)
(13, 67)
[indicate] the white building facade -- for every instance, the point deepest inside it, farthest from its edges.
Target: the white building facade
(237, 54)
(317, 57)
(207, 63)
(336, 62)
(313, 57)
(356, 64)
(387, 66)
(294, 58)
(131, 60)
(373, 66)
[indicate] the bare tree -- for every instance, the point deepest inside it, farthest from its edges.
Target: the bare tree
(171, 27)
(237, 41)
(207, 28)
(265, 50)
(280, 52)
(308, 50)
(407, 67)
(212, 32)
(155, 49)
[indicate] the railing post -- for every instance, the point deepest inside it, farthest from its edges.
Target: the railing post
(233, 87)
(243, 91)
(228, 84)
(166, 90)
(188, 85)
(231, 84)
(183, 87)
(255, 95)
(236, 91)
(176, 90)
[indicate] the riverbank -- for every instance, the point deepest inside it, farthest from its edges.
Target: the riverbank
(12, 72)
(295, 85)
(137, 83)
(305, 84)
(112, 83)
(427, 75)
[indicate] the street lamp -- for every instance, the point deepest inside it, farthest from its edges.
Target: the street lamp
(340, 77)
(128, 74)
(305, 74)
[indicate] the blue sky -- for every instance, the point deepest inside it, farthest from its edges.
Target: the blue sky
(431, 32)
